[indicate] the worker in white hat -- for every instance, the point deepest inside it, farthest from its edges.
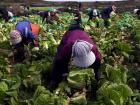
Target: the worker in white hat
(137, 12)
(94, 15)
(6, 14)
(78, 45)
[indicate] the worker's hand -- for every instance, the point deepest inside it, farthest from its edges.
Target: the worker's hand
(35, 49)
(112, 14)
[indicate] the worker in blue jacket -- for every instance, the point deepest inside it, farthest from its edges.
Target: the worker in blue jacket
(106, 14)
(25, 33)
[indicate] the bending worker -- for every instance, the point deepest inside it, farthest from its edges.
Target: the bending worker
(77, 21)
(78, 45)
(25, 33)
(5, 14)
(93, 13)
(137, 12)
(48, 16)
(94, 16)
(107, 13)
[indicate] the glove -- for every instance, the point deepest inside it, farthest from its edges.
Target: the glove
(35, 48)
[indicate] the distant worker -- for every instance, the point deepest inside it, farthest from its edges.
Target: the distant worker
(5, 14)
(77, 17)
(48, 16)
(93, 13)
(76, 22)
(24, 33)
(106, 13)
(137, 12)
(94, 16)
(26, 11)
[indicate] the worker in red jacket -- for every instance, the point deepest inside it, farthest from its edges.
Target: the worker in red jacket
(76, 44)
(25, 33)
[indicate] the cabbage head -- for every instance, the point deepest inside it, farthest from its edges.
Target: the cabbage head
(45, 97)
(3, 89)
(114, 94)
(80, 78)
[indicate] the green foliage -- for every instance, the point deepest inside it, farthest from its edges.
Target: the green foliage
(124, 48)
(79, 100)
(63, 89)
(3, 89)
(3, 64)
(137, 31)
(43, 96)
(127, 20)
(114, 94)
(112, 43)
(117, 74)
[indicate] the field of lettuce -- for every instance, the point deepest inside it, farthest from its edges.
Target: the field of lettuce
(26, 83)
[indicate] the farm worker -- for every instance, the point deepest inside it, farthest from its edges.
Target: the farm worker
(137, 12)
(5, 14)
(48, 16)
(26, 10)
(106, 13)
(24, 33)
(94, 15)
(11, 16)
(79, 46)
(76, 23)
(77, 17)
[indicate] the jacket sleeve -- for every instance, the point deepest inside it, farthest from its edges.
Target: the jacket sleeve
(34, 37)
(97, 53)
(96, 65)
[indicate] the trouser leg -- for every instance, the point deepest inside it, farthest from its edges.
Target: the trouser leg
(56, 74)
(106, 23)
(19, 54)
(97, 73)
